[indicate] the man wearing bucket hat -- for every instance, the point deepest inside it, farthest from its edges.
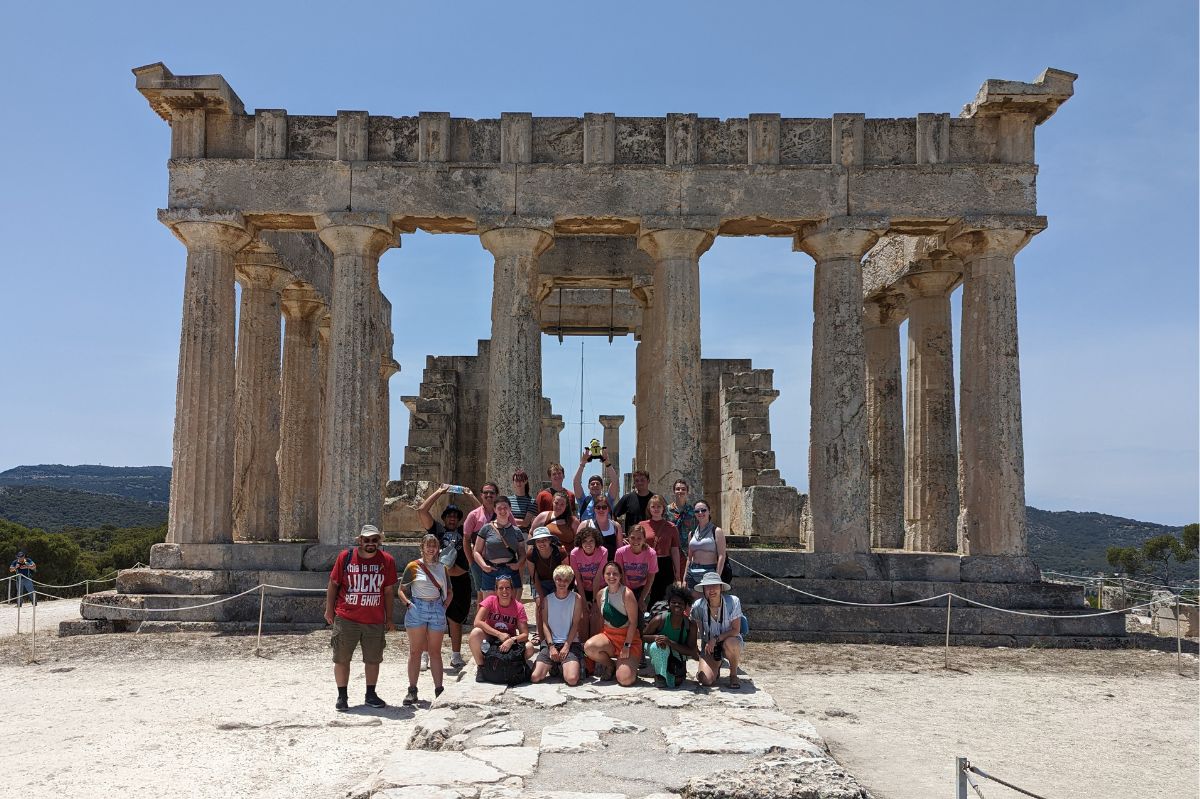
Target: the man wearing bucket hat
(358, 604)
(718, 615)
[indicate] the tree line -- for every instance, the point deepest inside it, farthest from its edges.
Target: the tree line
(78, 553)
(1159, 556)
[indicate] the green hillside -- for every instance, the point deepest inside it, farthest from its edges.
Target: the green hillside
(1075, 542)
(54, 509)
(145, 483)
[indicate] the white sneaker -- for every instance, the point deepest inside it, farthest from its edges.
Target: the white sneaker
(456, 660)
(424, 661)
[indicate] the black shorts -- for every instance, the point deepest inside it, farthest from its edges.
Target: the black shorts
(460, 605)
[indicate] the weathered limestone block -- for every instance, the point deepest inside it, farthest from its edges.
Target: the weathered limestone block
(931, 476)
(885, 419)
(772, 514)
(993, 459)
(257, 396)
(201, 507)
(838, 482)
(350, 492)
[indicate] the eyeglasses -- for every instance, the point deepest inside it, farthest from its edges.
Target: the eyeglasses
(488, 493)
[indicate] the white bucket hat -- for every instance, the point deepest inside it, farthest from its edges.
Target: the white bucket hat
(541, 532)
(712, 578)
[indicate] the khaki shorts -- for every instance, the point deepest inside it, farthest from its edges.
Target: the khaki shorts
(348, 634)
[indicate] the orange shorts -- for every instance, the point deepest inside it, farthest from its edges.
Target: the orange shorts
(616, 635)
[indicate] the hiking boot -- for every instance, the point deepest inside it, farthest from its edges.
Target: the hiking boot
(342, 704)
(411, 697)
(424, 661)
(456, 660)
(375, 700)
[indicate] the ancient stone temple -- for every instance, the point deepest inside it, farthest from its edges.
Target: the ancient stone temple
(598, 226)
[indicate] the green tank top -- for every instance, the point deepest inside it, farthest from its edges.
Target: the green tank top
(612, 616)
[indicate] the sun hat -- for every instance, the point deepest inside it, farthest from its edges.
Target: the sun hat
(541, 532)
(369, 530)
(712, 578)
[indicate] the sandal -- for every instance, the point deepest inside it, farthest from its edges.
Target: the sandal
(734, 682)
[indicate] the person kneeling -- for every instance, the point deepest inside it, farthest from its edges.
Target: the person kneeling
(560, 616)
(672, 639)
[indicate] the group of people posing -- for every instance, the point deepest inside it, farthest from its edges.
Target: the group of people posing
(596, 567)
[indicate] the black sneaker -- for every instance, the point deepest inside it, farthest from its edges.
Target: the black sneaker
(411, 697)
(375, 700)
(437, 691)
(342, 704)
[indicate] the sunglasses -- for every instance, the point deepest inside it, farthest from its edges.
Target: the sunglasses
(489, 493)
(701, 510)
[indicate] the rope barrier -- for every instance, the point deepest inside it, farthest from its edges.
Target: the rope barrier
(967, 769)
(1187, 585)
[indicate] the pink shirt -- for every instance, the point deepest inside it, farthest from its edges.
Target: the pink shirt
(639, 567)
(474, 522)
(588, 566)
(504, 619)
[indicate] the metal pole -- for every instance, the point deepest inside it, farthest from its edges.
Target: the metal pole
(581, 399)
(1100, 595)
(33, 634)
(948, 598)
(262, 599)
(960, 768)
(1178, 637)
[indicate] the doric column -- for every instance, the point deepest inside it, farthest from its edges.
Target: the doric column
(993, 457)
(612, 440)
(349, 473)
(515, 366)
(673, 341)
(300, 419)
(388, 367)
(256, 399)
(837, 460)
(324, 335)
(201, 508)
(931, 473)
(885, 419)
(552, 427)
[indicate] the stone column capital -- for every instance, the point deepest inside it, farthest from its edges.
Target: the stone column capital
(933, 283)
(358, 233)
(973, 238)
(885, 310)
(388, 367)
(611, 422)
(516, 241)
(843, 237)
(198, 227)
(260, 268)
(663, 244)
(302, 302)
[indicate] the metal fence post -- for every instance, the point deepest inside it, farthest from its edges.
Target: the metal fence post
(948, 598)
(262, 599)
(1178, 637)
(960, 768)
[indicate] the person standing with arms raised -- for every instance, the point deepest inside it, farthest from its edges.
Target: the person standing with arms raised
(595, 483)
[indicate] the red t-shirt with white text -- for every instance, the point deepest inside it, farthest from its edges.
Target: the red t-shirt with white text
(361, 598)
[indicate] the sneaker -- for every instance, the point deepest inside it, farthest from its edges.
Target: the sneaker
(456, 660)
(424, 661)
(374, 700)
(342, 704)
(411, 697)
(437, 691)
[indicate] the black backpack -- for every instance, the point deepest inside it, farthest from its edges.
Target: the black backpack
(504, 668)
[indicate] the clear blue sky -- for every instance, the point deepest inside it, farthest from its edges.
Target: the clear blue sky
(1108, 295)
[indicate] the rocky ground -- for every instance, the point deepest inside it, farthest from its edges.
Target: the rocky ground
(201, 715)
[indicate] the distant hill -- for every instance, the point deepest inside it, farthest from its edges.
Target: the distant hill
(1075, 542)
(53, 509)
(146, 483)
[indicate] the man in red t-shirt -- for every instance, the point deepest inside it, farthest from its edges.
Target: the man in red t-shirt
(358, 603)
(545, 497)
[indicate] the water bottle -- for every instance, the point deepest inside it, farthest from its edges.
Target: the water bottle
(455, 490)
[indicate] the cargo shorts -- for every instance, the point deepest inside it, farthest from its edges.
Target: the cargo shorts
(349, 634)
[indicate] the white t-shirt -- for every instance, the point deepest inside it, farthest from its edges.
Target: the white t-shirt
(418, 584)
(731, 609)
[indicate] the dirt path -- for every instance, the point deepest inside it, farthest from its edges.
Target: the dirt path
(197, 715)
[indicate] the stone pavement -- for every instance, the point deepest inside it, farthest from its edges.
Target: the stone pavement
(602, 741)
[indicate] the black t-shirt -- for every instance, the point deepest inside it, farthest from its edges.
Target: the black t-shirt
(451, 538)
(632, 509)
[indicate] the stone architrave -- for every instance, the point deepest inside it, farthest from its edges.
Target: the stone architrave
(350, 496)
(837, 461)
(931, 473)
(885, 419)
(993, 455)
(612, 439)
(672, 339)
(515, 367)
(256, 398)
(201, 507)
(300, 417)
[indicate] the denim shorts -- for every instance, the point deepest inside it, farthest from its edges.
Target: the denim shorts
(489, 580)
(426, 613)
